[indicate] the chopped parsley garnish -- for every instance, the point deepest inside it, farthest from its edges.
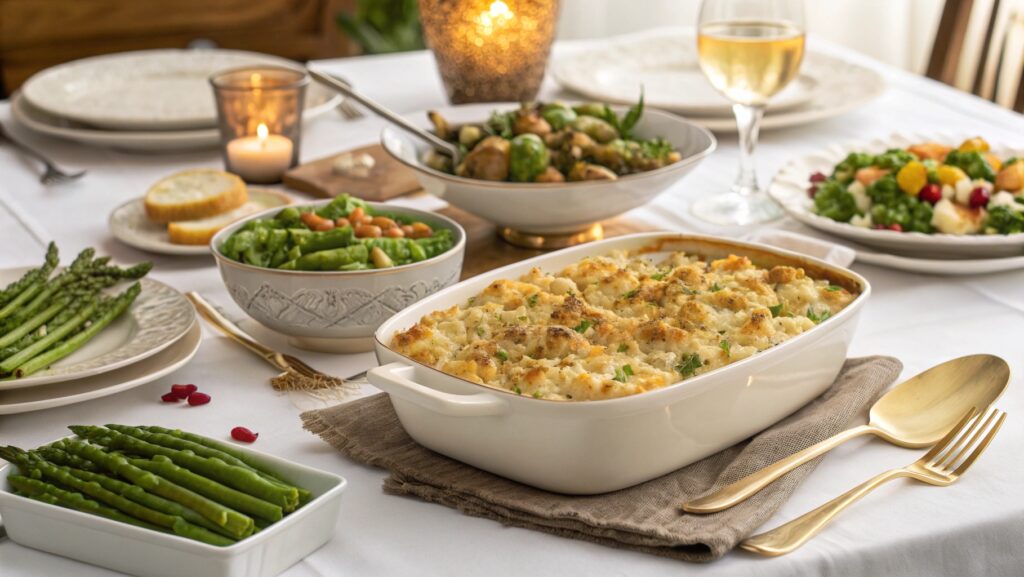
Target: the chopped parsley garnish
(690, 291)
(517, 390)
(715, 288)
(623, 373)
(690, 364)
(659, 276)
(471, 301)
(623, 348)
(524, 318)
(583, 326)
(502, 355)
(480, 330)
(630, 294)
(818, 318)
(776, 310)
(532, 300)
(833, 288)
(725, 346)
(536, 394)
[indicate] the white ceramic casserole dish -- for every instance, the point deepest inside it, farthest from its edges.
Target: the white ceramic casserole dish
(592, 447)
(146, 553)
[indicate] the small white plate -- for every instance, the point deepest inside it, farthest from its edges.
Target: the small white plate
(789, 189)
(85, 389)
(319, 100)
(664, 61)
(159, 316)
(128, 224)
(144, 90)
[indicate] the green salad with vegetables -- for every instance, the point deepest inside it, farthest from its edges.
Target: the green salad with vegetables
(928, 187)
(343, 235)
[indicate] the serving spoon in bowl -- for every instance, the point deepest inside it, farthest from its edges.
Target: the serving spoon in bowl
(439, 144)
(915, 414)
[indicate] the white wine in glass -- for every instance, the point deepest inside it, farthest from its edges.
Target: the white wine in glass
(749, 50)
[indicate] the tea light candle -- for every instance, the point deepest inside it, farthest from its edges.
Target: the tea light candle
(262, 158)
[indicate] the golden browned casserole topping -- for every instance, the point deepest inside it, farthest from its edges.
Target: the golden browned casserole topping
(620, 324)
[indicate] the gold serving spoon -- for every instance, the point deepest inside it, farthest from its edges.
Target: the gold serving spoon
(915, 414)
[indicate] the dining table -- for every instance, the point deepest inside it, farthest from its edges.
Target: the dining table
(905, 529)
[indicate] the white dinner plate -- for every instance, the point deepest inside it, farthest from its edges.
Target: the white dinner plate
(789, 189)
(129, 224)
(664, 62)
(145, 90)
(319, 100)
(59, 394)
(159, 316)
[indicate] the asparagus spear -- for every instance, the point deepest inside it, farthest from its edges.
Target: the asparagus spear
(54, 495)
(15, 304)
(33, 323)
(63, 458)
(59, 476)
(237, 500)
(237, 524)
(14, 361)
(14, 289)
(99, 321)
(235, 477)
(242, 457)
(173, 442)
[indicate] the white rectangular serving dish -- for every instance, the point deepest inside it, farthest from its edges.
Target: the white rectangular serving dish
(590, 447)
(147, 553)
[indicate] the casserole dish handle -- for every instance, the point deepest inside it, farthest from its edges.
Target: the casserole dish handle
(395, 379)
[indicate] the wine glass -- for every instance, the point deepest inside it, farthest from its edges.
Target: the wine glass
(749, 50)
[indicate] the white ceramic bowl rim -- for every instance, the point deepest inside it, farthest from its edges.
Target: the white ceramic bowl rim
(451, 224)
(184, 543)
(666, 116)
(692, 384)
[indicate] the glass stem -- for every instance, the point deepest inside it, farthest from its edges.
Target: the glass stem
(748, 121)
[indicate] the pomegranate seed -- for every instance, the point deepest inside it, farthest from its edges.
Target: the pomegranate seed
(895, 226)
(196, 399)
(183, 391)
(244, 435)
(931, 193)
(818, 177)
(979, 197)
(812, 191)
(170, 398)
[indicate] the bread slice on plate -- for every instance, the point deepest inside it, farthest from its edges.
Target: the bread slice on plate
(194, 194)
(199, 232)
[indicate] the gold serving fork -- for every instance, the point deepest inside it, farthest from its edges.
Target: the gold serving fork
(962, 445)
(282, 361)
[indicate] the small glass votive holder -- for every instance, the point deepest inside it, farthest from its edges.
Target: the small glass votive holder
(259, 112)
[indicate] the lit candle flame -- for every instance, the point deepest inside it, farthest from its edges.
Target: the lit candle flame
(261, 133)
(256, 80)
(497, 15)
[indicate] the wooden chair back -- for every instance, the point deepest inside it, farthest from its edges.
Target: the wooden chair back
(36, 34)
(979, 47)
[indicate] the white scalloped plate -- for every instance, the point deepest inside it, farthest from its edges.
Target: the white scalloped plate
(789, 189)
(159, 316)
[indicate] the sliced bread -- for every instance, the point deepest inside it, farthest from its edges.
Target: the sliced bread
(194, 194)
(198, 232)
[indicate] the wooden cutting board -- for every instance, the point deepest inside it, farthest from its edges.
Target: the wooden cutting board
(388, 178)
(485, 250)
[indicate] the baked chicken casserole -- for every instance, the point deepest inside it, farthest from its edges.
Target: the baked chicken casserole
(620, 324)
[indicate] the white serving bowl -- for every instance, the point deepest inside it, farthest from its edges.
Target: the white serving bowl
(147, 553)
(551, 208)
(588, 447)
(337, 311)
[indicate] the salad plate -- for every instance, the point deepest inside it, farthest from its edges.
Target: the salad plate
(790, 189)
(171, 358)
(157, 319)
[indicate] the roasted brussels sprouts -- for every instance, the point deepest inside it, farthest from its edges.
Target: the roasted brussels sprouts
(529, 157)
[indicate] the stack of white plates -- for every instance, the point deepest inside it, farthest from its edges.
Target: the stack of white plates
(152, 100)
(664, 62)
(157, 335)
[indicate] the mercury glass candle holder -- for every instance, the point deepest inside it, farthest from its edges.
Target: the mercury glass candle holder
(259, 112)
(490, 50)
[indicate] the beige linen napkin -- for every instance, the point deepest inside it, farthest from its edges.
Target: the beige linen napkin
(644, 518)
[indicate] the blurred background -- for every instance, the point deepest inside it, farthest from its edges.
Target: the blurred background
(35, 34)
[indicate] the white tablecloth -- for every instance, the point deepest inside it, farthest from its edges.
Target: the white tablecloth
(973, 528)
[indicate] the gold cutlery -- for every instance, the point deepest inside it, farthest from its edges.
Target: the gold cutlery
(282, 361)
(914, 414)
(964, 443)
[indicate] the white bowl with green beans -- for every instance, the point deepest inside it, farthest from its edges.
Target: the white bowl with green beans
(65, 499)
(329, 289)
